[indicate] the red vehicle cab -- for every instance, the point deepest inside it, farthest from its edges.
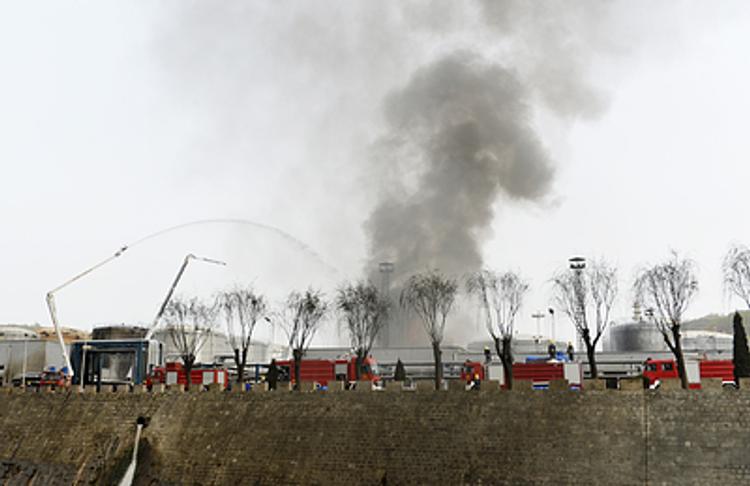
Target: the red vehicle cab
(665, 369)
(52, 378)
(322, 371)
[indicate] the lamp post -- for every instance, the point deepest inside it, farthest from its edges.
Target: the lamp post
(538, 316)
(552, 323)
(578, 265)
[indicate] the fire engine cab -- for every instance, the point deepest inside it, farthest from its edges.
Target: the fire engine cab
(656, 370)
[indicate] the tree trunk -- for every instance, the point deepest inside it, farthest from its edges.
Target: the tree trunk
(679, 357)
(238, 362)
(438, 365)
(503, 349)
(297, 355)
(590, 353)
(243, 364)
(358, 365)
(188, 362)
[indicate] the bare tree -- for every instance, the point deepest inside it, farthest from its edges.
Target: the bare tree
(302, 316)
(189, 323)
(431, 296)
(586, 295)
(241, 308)
(666, 290)
(736, 269)
(364, 311)
(500, 295)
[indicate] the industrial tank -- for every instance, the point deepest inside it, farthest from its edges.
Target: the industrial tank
(634, 336)
(118, 332)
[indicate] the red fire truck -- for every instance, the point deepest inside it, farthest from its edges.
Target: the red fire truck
(322, 371)
(665, 369)
(540, 373)
(174, 374)
(52, 377)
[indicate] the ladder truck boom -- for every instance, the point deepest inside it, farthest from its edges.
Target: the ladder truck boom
(53, 309)
(170, 292)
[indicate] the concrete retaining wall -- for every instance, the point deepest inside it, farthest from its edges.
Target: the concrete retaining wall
(422, 437)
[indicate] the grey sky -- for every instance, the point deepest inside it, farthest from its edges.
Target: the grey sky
(118, 119)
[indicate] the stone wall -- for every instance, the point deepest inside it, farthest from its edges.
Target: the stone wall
(422, 437)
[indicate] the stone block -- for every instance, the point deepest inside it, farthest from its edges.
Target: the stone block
(631, 384)
(456, 385)
(523, 386)
(409, 386)
(711, 383)
(559, 385)
(363, 387)
(335, 386)
(307, 386)
(745, 384)
(593, 385)
(670, 384)
(261, 387)
(425, 385)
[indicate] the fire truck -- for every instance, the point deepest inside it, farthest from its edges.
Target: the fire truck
(322, 371)
(666, 369)
(174, 374)
(539, 373)
(53, 378)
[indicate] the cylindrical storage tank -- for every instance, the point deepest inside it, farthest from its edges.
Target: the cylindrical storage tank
(118, 332)
(635, 336)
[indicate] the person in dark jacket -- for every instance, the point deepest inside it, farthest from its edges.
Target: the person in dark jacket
(272, 377)
(400, 373)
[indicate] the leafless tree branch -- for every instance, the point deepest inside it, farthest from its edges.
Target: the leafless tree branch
(241, 309)
(364, 311)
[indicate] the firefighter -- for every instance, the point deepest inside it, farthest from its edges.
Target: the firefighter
(468, 374)
(272, 377)
(477, 382)
(552, 350)
(570, 351)
(487, 355)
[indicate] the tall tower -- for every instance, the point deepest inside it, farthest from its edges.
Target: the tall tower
(387, 334)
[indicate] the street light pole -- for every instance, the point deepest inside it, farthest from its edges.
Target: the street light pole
(552, 323)
(538, 316)
(578, 265)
